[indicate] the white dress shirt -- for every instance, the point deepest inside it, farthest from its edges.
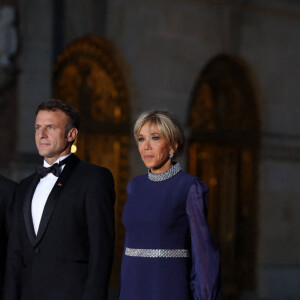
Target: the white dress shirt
(41, 194)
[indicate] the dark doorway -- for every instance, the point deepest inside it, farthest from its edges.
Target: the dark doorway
(223, 152)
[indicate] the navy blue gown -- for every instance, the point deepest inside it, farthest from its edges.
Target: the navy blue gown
(169, 252)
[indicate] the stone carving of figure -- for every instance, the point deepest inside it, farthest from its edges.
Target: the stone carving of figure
(8, 35)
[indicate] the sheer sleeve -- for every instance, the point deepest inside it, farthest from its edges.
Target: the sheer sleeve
(205, 279)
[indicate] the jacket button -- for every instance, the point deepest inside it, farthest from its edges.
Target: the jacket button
(37, 250)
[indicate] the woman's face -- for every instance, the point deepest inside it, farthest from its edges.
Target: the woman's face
(154, 149)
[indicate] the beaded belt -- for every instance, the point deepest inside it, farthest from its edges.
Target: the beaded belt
(157, 252)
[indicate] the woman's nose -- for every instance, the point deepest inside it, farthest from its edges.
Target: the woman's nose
(147, 145)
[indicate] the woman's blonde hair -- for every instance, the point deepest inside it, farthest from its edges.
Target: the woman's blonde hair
(167, 125)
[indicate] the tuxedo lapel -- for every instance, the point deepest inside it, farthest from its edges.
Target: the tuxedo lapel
(55, 194)
(27, 209)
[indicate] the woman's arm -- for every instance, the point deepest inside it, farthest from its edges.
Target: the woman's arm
(205, 279)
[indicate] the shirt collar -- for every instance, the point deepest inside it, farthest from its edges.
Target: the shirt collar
(57, 161)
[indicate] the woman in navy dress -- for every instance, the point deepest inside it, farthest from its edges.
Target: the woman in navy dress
(169, 253)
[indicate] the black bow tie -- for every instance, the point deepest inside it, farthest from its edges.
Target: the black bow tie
(43, 171)
(54, 169)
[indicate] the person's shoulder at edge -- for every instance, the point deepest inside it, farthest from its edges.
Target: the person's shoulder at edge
(7, 181)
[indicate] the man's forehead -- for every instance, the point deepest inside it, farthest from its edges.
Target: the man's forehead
(51, 116)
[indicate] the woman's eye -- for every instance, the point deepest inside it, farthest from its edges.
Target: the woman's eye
(155, 138)
(140, 139)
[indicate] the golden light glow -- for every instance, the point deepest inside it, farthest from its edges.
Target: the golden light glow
(213, 181)
(73, 148)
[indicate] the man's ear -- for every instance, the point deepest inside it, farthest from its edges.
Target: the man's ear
(72, 134)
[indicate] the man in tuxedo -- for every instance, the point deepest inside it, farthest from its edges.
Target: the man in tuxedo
(62, 241)
(7, 189)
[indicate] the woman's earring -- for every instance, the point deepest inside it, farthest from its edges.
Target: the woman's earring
(171, 155)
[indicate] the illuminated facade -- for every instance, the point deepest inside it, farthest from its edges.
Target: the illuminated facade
(228, 70)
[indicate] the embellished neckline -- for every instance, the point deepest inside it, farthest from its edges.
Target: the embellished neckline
(165, 175)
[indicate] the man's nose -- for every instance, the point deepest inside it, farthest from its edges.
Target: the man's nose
(41, 132)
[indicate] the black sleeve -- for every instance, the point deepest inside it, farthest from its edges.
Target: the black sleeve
(100, 201)
(7, 192)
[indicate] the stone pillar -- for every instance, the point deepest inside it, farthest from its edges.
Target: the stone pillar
(35, 76)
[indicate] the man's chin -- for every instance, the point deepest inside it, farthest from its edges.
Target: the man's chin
(44, 154)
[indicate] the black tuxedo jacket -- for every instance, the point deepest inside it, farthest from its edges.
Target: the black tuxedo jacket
(7, 189)
(71, 256)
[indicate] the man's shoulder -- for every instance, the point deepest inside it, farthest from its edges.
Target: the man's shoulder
(85, 168)
(92, 167)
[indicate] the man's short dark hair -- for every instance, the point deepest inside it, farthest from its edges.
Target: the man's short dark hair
(69, 110)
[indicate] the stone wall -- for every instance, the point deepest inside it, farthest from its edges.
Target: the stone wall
(166, 44)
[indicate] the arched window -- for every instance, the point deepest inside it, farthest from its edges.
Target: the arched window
(223, 152)
(88, 75)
